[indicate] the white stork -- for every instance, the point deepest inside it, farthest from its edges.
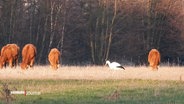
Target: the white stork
(114, 65)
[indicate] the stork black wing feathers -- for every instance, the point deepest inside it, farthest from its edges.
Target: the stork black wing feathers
(120, 67)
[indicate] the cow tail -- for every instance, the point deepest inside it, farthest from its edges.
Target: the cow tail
(55, 59)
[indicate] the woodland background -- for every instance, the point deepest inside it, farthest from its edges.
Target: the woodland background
(92, 31)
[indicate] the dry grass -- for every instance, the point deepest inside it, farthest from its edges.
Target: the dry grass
(94, 73)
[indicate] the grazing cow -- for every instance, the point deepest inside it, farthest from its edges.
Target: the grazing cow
(53, 58)
(154, 58)
(28, 56)
(9, 53)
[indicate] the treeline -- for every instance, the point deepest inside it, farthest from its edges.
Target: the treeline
(92, 31)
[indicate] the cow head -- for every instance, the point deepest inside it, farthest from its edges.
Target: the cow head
(2, 62)
(23, 66)
(55, 67)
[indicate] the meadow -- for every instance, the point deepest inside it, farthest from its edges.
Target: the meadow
(95, 85)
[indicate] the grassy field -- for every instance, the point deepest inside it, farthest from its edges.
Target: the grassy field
(98, 91)
(95, 85)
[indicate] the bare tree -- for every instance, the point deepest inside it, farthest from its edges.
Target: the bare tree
(101, 29)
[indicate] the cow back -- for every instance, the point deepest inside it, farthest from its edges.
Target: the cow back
(9, 53)
(53, 58)
(28, 54)
(154, 58)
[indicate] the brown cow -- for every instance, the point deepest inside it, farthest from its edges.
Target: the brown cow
(53, 58)
(9, 53)
(28, 56)
(154, 58)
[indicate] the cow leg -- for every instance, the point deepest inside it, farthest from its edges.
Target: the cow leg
(51, 64)
(11, 63)
(155, 68)
(5, 64)
(58, 64)
(31, 63)
(16, 62)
